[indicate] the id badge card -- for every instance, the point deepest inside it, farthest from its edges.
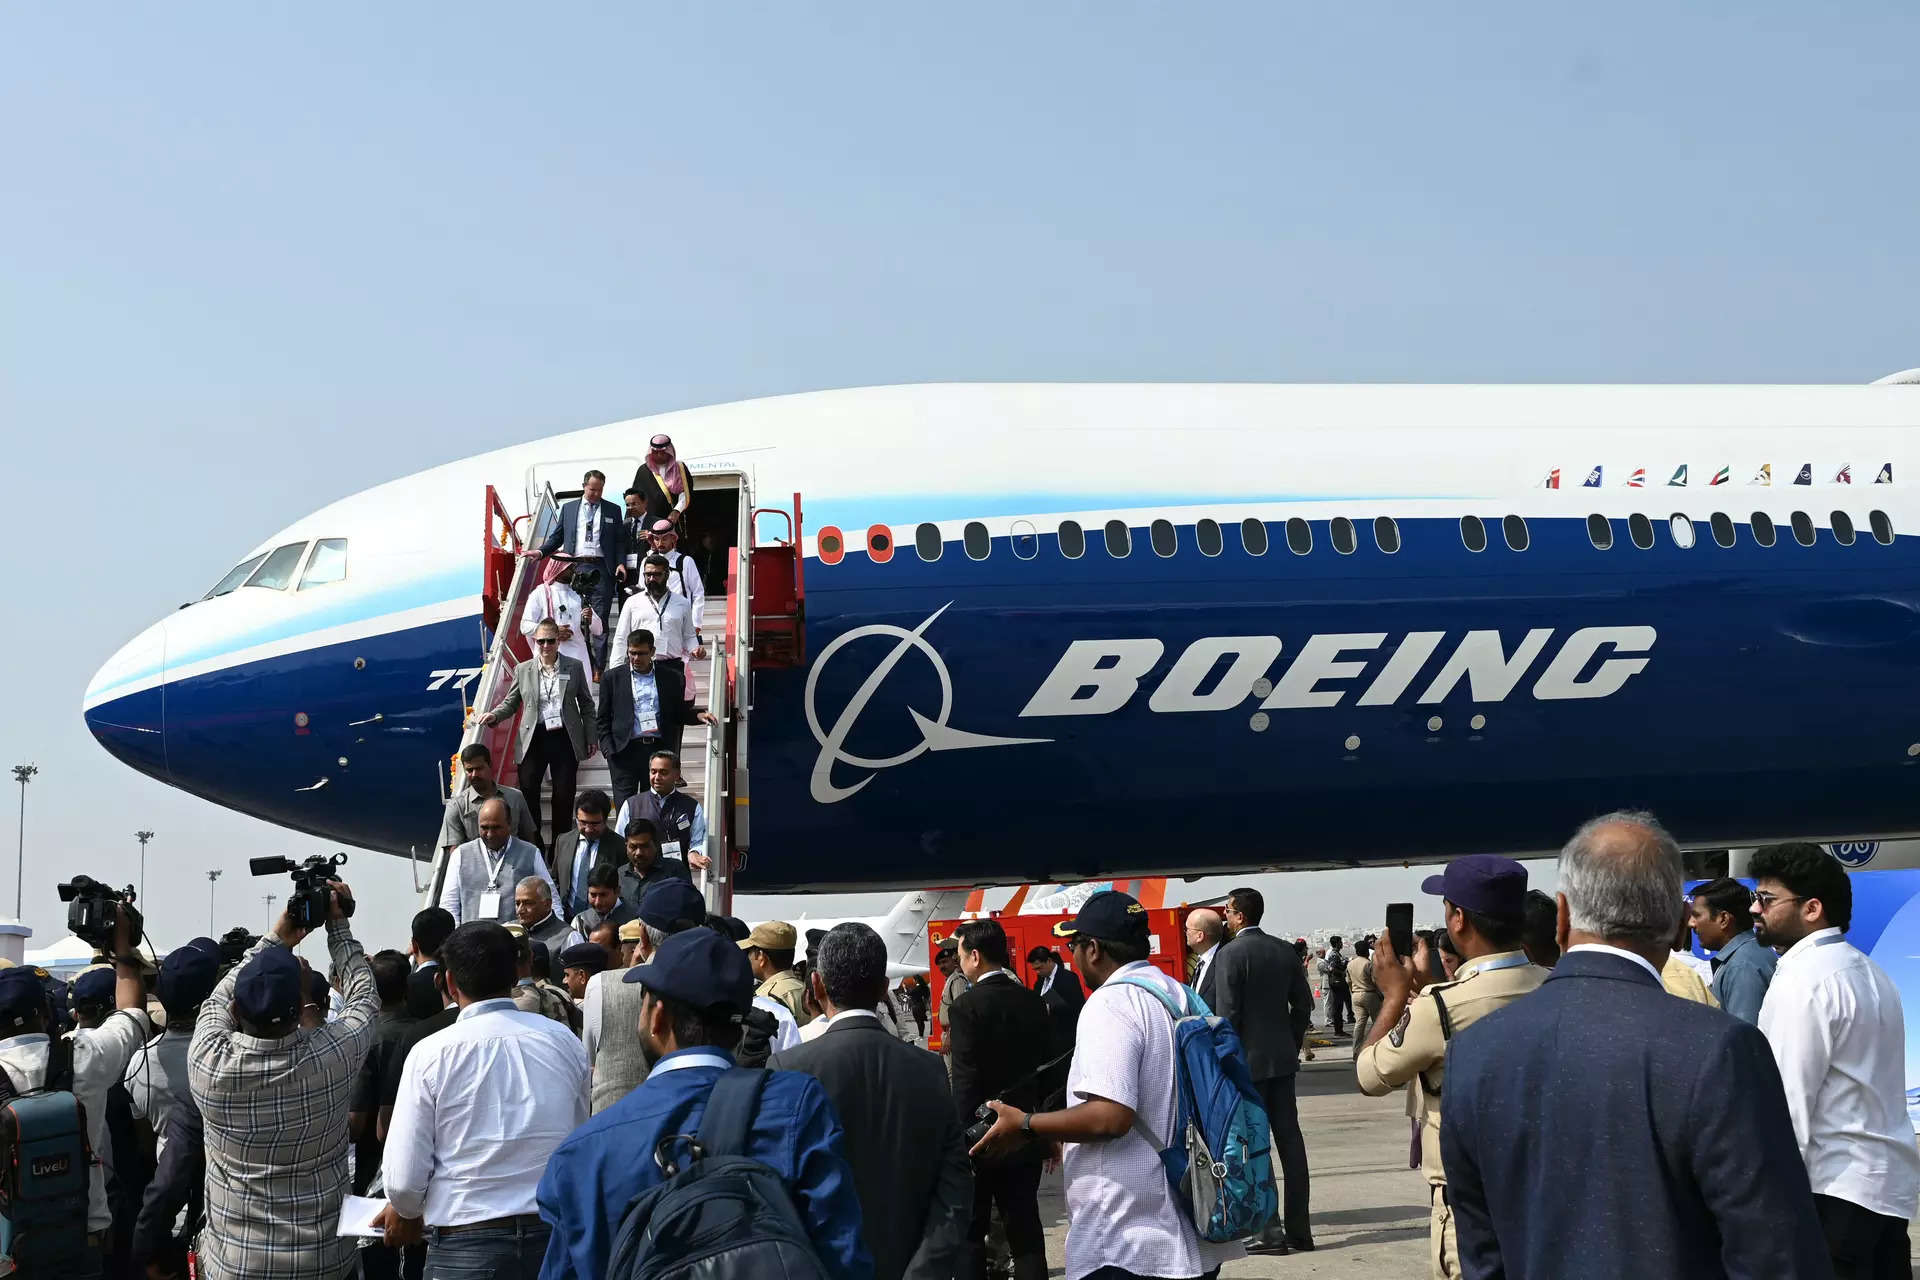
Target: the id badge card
(669, 848)
(649, 725)
(490, 905)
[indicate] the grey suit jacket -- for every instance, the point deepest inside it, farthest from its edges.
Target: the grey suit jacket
(576, 705)
(903, 1142)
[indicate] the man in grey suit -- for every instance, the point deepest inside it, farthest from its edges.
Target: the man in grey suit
(1261, 988)
(903, 1139)
(590, 529)
(552, 733)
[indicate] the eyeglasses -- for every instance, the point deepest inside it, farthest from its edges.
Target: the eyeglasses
(546, 640)
(1766, 900)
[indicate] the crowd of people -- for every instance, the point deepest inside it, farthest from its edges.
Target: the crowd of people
(593, 1076)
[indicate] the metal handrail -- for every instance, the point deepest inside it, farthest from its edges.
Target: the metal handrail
(717, 882)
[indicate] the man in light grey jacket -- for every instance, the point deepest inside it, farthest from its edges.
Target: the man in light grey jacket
(482, 873)
(555, 704)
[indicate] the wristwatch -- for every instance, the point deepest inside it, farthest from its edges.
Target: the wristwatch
(1026, 1123)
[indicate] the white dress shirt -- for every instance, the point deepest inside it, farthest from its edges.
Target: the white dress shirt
(560, 602)
(506, 884)
(481, 1107)
(696, 834)
(683, 579)
(553, 696)
(786, 1033)
(1833, 1018)
(1623, 953)
(669, 618)
(1206, 960)
(592, 524)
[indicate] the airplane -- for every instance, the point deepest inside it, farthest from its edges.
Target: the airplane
(1029, 633)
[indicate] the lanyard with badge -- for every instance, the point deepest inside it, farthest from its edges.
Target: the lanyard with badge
(490, 900)
(649, 720)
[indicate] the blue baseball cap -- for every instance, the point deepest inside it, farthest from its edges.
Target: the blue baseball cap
(669, 902)
(1483, 882)
(91, 987)
(1109, 915)
(21, 995)
(699, 968)
(268, 988)
(590, 956)
(187, 976)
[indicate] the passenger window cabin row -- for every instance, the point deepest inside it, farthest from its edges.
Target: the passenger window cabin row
(1117, 535)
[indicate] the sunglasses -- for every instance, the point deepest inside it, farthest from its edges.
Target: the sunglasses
(546, 640)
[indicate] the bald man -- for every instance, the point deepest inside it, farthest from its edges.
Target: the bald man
(481, 874)
(1204, 931)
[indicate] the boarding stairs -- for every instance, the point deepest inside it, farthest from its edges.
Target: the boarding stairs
(763, 595)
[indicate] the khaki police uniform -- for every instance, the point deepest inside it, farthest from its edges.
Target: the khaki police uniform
(786, 987)
(1414, 1053)
(1366, 998)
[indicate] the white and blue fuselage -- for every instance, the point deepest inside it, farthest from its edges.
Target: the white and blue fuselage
(1164, 629)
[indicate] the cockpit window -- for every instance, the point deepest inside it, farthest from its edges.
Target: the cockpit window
(327, 564)
(235, 576)
(277, 572)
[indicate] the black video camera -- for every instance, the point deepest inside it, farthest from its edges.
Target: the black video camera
(93, 910)
(312, 897)
(234, 945)
(982, 1121)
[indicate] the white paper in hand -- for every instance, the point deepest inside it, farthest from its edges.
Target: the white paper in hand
(357, 1214)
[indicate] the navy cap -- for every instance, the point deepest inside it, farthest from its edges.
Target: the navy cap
(268, 988)
(187, 976)
(1110, 914)
(590, 956)
(1484, 882)
(21, 995)
(699, 968)
(667, 902)
(91, 987)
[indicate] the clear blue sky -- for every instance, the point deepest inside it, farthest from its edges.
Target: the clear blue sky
(257, 257)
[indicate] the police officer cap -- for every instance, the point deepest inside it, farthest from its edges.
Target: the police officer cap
(668, 902)
(1483, 882)
(21, 996)
(187, 975)
(268, 988)
(699, 968)
(1111, 915)
(93, 987)
(631, 931)
(590, 956)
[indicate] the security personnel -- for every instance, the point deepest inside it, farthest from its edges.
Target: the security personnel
(769, 950)
(697, 994)
(1485, 899)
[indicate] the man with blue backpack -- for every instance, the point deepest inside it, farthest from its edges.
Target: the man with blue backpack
(1165, 1143)
(706, 1168)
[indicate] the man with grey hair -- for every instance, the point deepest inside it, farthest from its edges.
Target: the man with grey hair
(1600, 1127)
(895, 1108)
(533, 907)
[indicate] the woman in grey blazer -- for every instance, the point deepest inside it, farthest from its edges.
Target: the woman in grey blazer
(556, 704)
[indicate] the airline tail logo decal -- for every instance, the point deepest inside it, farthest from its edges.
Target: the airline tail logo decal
(1552, 481)
(1886, 474)
(1679, 480)
(1764, 476)
(1638, 480)
(1721, 476)
(1806, 474)
(1593, 479)
(1844, 475)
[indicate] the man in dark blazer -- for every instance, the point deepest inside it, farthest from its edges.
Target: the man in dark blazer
(1261, 988)
(1600, 1127)
(1060, 987)
(589, 844)
(902, 1138)
(1000, 1034)
(628, 739)
(605, 529)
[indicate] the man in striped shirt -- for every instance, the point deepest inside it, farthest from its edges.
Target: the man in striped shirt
(275, 1098)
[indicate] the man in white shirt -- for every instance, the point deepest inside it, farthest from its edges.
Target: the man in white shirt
(1834, 1022)
(482, 1105)
(683, 575)
(668, 616)
(1122, 1217)
(558, 601)
(156, 1078)
(99, 1060)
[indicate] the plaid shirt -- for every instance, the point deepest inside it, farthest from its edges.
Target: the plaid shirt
(276, 1129)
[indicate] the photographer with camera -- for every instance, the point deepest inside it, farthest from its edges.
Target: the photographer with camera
(85, 1064)
(274, 1096)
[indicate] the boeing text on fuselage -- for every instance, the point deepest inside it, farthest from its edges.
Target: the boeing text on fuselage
(1102, 677)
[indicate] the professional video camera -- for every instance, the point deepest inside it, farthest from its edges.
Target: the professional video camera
(234, 945)
(311, 899)
(93, 910)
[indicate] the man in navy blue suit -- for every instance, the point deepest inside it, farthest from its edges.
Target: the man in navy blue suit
(1603, 1128)
(590, 529)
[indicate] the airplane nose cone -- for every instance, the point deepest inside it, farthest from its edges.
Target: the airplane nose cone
(125, 703)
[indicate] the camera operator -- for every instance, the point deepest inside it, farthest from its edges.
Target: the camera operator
(274, 1098)
(100, 1057)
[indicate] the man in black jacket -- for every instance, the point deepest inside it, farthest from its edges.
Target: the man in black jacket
(1001, 1034)
(643, 708)
(903, 1140)
(1060, 987)
(1259, 979)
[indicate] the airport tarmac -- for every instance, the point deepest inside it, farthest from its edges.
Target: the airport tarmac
(1369, 1208)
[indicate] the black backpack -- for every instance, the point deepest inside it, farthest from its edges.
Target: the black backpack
(724, 1216)
(46, 1169)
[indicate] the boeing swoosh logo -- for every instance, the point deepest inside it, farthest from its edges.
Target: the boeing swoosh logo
(935, 733)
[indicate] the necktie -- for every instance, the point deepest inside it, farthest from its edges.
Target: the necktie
(1193, 970)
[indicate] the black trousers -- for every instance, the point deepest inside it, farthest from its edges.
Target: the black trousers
(627, 769)
(1865, 1245)
(1283, 1117)
(1339, 1006)
(1014, 1188)
(1121, 1273)
(550, 749)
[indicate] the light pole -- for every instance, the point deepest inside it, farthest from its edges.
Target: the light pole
(211, 877)
(22, 774)
(269, 899)
(143, 837)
